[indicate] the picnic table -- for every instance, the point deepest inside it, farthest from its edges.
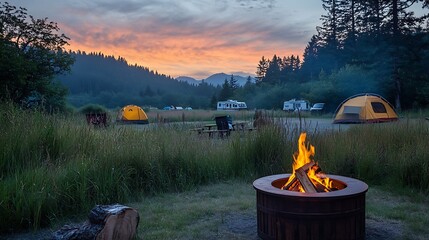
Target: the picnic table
(239, 125)
(210, 129)
(210, 126)
(207, 128)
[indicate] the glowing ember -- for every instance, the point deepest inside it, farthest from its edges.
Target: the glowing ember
(307, 175)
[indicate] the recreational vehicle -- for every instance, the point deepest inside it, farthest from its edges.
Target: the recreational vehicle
(295, 105)
(231, 105)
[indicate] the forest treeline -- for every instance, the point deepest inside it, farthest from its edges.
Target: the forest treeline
(112, 82)
(378, 46)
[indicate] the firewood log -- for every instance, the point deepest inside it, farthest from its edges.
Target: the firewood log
(105, 222)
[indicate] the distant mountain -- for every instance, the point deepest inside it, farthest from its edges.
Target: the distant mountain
(216, 79)
(189, 80)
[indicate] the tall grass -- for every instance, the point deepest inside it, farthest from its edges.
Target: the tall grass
(51, 165)
(390, 154)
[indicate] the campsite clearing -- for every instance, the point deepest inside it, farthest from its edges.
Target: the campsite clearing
(227, 210)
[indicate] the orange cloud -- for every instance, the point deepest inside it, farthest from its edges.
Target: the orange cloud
(196, 56)
(185, 39)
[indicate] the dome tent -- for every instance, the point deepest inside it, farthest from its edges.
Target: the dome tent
(365, 108)
(132, 114)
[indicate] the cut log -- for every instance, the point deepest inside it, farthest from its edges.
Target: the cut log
(295, 186)
(300, 179)
(321, 188)
(307, 166)
(105, 222)
(121, 223)
(305, 181)
(292, 179)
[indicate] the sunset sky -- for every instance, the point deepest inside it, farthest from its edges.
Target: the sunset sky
(194, 38)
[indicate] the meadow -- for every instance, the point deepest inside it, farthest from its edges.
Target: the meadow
(55, 167)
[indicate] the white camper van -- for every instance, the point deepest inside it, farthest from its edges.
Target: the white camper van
(231, 105)
(295, 105)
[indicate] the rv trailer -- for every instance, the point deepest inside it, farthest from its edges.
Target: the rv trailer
(295, 105)
(231, 105)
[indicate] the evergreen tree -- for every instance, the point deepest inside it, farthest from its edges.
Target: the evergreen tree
(291, 66)
(328, 32)
(273, 73)
(400, 25)
(233, 83)
(330, 35)
(248, 80)
(148, 91)
(213, 102)
(249, 87)
(261, 70)
(311, 66)
(373, 13)
(226, 92)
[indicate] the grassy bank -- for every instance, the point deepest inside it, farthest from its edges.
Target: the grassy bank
(52, 165)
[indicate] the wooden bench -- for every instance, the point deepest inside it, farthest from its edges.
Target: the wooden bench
(198, 130)
(211, 133)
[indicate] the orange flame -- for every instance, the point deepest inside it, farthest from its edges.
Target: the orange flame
(304, 156)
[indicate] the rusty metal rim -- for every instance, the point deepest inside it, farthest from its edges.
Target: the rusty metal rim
(354, 187)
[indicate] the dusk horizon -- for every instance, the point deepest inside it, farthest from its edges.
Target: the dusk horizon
(193, 38)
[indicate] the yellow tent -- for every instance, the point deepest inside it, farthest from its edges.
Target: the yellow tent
(132, 114)
(365, 108)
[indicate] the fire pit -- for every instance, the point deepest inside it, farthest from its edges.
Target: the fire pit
(336, 211)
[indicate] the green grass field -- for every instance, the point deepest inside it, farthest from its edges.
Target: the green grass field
(55, 167)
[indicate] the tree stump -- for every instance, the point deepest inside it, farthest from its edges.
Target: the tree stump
(105, 222)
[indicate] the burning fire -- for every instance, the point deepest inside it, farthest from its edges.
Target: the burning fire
(307, 175)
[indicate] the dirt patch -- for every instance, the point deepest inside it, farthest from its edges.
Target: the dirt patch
(238, 226)
(380, 229)
(43, 234)
(244, 226)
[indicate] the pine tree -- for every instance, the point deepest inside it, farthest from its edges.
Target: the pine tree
(261, 70)
(330, 35)
(311, 66)
(273, 73)
(233, 83)
(329, 29)
(249, 87)
(213, 102)
(226, 92)
(400, 24)
(148, 91)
